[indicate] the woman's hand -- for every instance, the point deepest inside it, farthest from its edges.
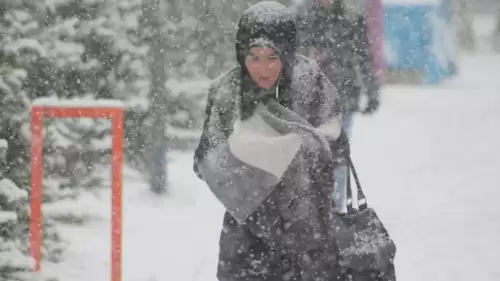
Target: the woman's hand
(341, 149)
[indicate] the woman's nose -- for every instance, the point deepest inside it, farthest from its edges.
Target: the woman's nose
(267, 67)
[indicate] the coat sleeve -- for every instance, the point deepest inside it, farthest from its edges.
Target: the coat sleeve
(204, 142)
(328, 117)
(214, 129)
(326, 107)
(362, 52)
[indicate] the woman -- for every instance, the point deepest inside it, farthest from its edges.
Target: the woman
(266, 153)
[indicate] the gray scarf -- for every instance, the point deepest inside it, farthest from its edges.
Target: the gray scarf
(243, 172)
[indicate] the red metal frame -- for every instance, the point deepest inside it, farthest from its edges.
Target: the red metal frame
(116, 116)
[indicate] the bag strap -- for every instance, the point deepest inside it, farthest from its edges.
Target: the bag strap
(362, 202)
(343, 140)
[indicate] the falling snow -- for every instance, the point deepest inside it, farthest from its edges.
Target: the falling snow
(428, 158)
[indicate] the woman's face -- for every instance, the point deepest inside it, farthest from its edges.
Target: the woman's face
(264, 66)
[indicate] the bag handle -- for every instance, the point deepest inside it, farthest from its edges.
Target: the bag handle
(362, 202)
(343, 140)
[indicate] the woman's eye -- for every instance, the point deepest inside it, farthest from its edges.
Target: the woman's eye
(273, 57)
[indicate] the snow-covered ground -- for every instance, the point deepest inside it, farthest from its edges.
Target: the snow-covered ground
(429, 161)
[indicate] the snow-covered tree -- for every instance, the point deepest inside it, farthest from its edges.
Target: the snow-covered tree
(14, 263)
(74, 49)
(95, 59)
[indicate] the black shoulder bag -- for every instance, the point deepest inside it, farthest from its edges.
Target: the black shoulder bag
(366, 251)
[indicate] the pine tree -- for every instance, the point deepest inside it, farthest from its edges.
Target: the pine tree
(15, 173)
(75, 49)
(108, 61)
(14, 263)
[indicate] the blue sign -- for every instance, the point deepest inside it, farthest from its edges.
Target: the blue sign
(419, 37)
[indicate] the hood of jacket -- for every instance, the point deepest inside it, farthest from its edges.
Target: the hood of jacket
(266, 24)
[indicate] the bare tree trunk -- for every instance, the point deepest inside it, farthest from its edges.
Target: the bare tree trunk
(154, 13)
(496, 31)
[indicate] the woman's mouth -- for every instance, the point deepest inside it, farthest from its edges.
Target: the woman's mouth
(265, 82)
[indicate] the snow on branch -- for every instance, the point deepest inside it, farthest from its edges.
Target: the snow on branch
(6, 217)
(3, 144)
(90, 103)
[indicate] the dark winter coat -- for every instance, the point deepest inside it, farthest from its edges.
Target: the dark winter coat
(282, 230)
(343, 41)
